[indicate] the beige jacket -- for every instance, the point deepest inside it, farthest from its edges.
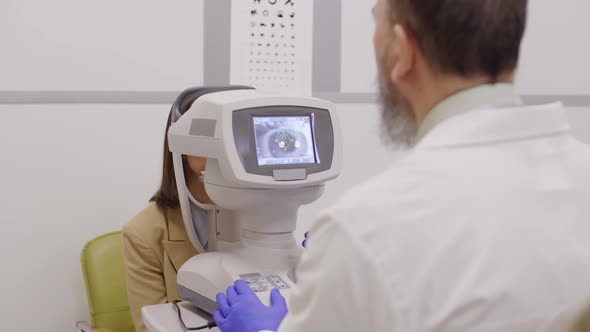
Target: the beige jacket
(156, 246)
(583, 324)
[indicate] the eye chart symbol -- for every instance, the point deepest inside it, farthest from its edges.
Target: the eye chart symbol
(274, 2)
(276, 45)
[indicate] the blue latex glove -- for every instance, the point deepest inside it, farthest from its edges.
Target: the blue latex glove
(304, 243)
(242, 311)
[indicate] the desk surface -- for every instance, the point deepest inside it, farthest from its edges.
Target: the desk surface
(164, 317)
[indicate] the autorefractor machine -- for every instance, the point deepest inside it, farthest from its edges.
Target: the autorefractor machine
(267, 155)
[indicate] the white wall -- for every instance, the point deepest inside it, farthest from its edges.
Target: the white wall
(101, 45)
(359, 69)
(556, 48)
(72, 172)
(69, 173)
(580, 121)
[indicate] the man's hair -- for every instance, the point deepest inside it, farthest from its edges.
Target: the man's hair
(466, 37)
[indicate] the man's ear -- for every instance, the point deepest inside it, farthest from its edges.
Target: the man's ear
(405, 53)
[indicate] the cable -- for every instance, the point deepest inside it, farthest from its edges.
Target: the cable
(210, 324)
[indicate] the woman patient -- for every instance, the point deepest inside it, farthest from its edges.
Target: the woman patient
(155, 241)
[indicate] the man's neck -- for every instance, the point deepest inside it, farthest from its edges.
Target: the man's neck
(445, 86)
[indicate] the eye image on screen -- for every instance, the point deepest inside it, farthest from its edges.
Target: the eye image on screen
(284, 140)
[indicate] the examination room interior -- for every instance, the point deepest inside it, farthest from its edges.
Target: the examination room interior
(85, 91)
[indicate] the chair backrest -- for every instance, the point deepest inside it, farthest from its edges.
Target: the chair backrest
(104, 274)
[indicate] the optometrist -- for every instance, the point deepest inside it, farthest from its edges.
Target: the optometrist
(484, 226)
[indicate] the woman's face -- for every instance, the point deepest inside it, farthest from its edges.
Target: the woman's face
(196, 165)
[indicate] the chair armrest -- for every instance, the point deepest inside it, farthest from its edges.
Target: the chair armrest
(83, 326)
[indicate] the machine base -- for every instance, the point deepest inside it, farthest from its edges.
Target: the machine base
(202, 277)
(197, 300)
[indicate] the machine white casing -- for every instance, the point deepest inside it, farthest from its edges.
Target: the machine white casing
(252, 222)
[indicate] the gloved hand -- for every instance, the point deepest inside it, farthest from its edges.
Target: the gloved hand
(304, 243)
(242, 311)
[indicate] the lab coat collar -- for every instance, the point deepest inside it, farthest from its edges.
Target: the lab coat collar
(497, 95)
(488, 114)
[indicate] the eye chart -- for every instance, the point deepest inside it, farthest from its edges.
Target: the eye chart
(271, 45)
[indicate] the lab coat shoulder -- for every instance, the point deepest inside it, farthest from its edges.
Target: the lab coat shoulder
(340, 287)
(455, 232)
(383, 197)
(342, 283)
(452, 226)
(390, 199)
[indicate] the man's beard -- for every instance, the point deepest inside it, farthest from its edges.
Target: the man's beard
(398, 125)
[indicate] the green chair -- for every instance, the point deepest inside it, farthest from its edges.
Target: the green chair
(104, 275)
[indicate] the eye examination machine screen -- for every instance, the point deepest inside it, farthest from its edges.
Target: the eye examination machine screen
(284, 140)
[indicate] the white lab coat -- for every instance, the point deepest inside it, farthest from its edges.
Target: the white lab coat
(484, 227)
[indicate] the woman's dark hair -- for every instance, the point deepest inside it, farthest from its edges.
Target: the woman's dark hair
(167, 196)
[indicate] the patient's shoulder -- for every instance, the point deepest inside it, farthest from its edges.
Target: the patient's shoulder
(149, 216)
(583, 322)
(149, 224)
